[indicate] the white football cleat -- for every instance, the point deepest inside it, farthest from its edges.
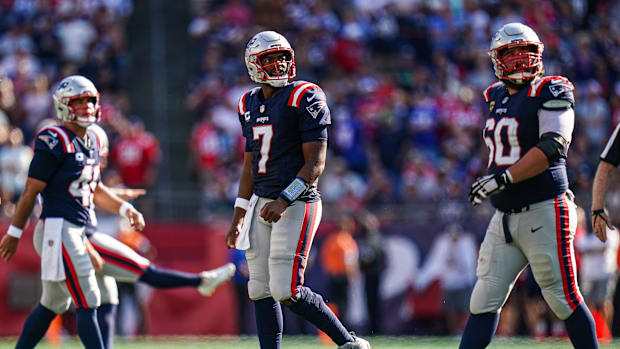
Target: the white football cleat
(358, 344)
(211, 279)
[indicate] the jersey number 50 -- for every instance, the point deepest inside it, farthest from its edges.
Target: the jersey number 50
(502, 154)
(266, 132)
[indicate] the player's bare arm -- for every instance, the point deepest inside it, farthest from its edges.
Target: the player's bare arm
(127, 193)
(107, 200)
(314, 157)
(532, 164)
(245, 192)
(8, 245)
(600, 220)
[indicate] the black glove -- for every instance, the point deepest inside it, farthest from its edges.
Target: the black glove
(486, 186)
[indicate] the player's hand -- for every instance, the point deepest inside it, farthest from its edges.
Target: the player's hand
(273, 210)
(95, 258)
(486, 186)
(8, 247)
(600, 224)
(135, 219)
(130, 194)
(232, 235)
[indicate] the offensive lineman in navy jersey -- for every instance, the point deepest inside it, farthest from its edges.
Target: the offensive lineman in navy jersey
(528, 132)
(278, 208)
(65, 170)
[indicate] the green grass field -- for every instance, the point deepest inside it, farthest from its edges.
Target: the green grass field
(292, 342)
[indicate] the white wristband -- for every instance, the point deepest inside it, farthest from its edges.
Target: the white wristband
(124, 208)
(15, 231)
(242, 203)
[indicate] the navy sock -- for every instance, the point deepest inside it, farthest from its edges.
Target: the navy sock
(88, 329)
(106, 317)
(35, 327)
(269, 323)
(165, 278)
(479, 330)
(312, 307)
(580, 328)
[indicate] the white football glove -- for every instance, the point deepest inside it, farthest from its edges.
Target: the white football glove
(486, 186)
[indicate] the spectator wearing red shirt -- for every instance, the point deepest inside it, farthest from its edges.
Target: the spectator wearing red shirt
(136, 155)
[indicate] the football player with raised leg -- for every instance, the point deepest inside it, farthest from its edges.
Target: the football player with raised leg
(278, 208)
(528, 131)
(121, 262)
(65, 170)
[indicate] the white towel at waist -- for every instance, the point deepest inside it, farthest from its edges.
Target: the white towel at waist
(52, 268)
(243, 240)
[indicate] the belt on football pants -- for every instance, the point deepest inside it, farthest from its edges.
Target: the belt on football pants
(506, 213)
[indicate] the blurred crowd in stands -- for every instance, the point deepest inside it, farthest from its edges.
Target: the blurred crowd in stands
(403, 80)
(40, 43)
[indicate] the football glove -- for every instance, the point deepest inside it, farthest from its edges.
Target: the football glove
(486, 186)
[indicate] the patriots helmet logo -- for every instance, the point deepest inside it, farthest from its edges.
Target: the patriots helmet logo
(49, 140)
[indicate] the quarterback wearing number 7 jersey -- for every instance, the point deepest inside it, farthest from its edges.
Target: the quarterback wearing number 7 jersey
(528, 131)
(278, 208)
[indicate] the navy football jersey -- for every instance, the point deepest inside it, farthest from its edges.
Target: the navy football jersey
(275, 129)
(512, 129)
(71, 172)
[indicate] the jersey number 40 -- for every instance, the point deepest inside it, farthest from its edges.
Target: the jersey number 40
(500, 153)
(84, 186)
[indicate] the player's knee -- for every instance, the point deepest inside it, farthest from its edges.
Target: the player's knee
(93, 298)
(557, 302)
(258, 290)
(280, 292)
(58, 305)
(486, 297)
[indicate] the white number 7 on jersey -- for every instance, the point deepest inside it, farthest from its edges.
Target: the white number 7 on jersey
(266, 131)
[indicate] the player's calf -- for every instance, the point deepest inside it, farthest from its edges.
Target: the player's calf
(312, 307)
(580, 328)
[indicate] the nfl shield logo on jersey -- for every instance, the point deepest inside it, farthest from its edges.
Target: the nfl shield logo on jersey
(50, 243)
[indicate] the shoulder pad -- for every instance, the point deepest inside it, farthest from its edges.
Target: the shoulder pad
(241, 108)
(52, 136)
(299, 89)
(487, 92)
(557, 85)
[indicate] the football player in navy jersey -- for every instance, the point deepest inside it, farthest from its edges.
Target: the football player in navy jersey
(121, 262)
(528, 131)
(65, 171)
(278, 208)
